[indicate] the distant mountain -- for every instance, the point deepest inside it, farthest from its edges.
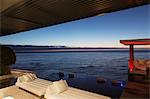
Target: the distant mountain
(33, 46)
(31, 49)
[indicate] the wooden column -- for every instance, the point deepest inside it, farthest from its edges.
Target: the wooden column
(131, 60)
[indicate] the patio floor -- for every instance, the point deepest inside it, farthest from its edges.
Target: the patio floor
(136, 90)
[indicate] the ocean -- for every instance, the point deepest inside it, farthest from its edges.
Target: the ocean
(111, 65)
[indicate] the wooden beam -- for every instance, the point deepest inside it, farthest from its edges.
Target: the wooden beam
(131, 60)
(145, 41)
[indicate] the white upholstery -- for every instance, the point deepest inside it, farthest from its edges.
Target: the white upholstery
(37, 86)
(73, 93)
(60, 86)
(14, 91)
(26, 77)
(31, 76)
(8, 97)
(40, 87)
(57, 87)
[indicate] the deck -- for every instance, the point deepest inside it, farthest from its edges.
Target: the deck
(138, 72)
(137, 86)
(136, 90)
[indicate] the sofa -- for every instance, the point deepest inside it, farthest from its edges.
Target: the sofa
(53, 90)
(63, 91)
(35, 86)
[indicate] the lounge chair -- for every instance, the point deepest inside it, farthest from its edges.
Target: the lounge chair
(62, 91)
(35, 85)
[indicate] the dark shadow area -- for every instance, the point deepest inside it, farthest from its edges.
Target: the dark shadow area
(7, 57)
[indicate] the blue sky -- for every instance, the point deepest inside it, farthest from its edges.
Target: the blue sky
(98, 31)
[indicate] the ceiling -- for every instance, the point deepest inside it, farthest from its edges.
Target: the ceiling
(22, 15)
(5, 4)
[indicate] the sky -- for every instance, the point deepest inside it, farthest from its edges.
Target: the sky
(97, 31)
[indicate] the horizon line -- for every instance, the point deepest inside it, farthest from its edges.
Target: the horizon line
(63, 46)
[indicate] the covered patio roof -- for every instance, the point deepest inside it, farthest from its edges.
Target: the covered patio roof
(22, 15)
(145, 41)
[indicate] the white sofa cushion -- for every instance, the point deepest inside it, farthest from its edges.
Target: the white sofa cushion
(60, 86)
(57, 87)
(37, 86)
(31, 76)
(26, 78)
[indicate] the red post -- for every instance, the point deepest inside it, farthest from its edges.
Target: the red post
(131, 60)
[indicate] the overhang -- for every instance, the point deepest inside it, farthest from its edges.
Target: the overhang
(22, 15)
(145, 41)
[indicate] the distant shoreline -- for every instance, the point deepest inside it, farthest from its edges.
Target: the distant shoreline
(64, 49)
(76, 50)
